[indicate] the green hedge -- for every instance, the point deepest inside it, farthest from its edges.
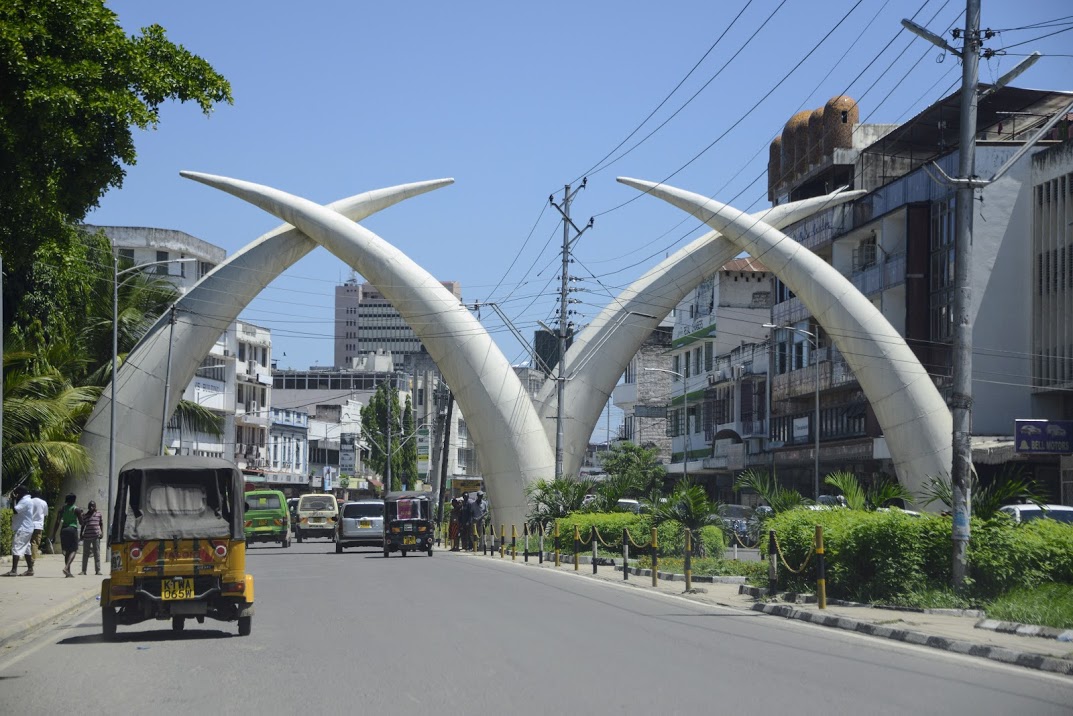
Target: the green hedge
(5, 530)
(670, 535)
(876, 556)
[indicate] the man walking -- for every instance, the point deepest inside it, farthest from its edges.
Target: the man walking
(40, 515)
(465, 521)
(22, 527)
(479, 513)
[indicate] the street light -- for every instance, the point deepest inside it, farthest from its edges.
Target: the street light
(685, 413)
(813, 340)
(116, 273)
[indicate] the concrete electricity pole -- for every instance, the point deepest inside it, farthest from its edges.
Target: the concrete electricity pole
(564, 302)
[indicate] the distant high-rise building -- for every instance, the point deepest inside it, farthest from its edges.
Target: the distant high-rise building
(365, 321)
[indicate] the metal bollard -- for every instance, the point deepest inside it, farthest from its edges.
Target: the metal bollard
(625, 554)
(689, 560)
(655, 558)
(577, 545)
(772, 564)
(514, 543)
(594, 555)
(540, 546)
(502, 539)
(485, 529)
(474, 539)
(525, 536)
(556, 543)
(821, 580)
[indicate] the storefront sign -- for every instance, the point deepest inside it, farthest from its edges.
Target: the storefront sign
(1054, 437)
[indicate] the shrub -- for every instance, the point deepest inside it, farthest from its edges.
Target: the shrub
(888, 556)
(5, 530)
(609, 526)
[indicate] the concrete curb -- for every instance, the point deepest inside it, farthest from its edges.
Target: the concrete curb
(1006, 656)
(61, 609)
(1026, 629)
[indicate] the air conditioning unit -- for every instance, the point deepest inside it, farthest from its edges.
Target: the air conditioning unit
(711, 379)
(739, 371)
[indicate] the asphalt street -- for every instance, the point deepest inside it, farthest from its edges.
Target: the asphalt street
(460, 634)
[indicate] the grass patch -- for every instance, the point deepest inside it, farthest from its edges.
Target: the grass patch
(1047, 605)
(711, 566)
(932, 599)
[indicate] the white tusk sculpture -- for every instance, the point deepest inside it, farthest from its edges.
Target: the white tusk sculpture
(498, 410)
(618, 332)
(915, 420)
(202, 314)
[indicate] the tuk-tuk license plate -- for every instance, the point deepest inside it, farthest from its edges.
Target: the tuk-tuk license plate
(365, 524)
(409, 540)
(177, 588)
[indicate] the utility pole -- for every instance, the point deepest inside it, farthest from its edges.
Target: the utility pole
(564, 302)
(966, 184)
(445, 453)
(387, 451)
(167, 383)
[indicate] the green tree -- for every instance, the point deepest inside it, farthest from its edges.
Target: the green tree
(374, 427)
(878, 494)
(690, 506)
(639, 466)
(43, 414)
(73, 84)
(1009, 486)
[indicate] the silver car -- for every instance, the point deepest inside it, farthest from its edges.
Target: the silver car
(361, 524)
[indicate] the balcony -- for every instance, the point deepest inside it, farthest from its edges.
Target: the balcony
(877, 277)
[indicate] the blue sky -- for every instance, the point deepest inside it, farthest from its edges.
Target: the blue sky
(515, 100)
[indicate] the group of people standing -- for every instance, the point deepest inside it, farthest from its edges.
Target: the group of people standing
(30, 511)
(466, 515)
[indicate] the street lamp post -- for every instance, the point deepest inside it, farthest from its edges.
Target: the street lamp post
(116, 273)
(813, 340)
(685, 415)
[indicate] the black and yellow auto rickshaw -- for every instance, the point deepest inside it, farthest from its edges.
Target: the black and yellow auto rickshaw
(178, 545)
(408, 525)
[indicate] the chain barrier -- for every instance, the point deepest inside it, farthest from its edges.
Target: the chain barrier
(646, 545)
(799, 570)
(738, 540)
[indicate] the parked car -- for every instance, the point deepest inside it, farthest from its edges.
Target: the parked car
(628, 505)
(317, 515)
(735, 520)
(267, 518)
(361, 524)
(1024, 513)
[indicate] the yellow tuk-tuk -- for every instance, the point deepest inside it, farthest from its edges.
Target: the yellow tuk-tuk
(178, 545)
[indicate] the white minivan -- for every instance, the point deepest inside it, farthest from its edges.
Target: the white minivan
(317, 515)
(1024, 513)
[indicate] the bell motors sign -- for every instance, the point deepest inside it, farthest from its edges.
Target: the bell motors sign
(1043, 436)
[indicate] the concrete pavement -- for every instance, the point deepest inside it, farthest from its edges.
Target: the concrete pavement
(28, 603)
(961, 631)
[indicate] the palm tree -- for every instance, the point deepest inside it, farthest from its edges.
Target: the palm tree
(779, 498)
(552, 499)
(1009, 486)
(43, 418)
(879, 494)
(690, 506)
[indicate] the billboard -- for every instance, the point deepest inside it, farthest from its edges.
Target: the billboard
(423, 444)
(1050, 437)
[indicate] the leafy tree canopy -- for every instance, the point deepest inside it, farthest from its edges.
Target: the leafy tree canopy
(374, 428)
(640, 466)
(72, 87)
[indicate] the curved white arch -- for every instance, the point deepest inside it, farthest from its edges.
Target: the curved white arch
(916, 421)
(498, 410)
(202, 314)
(618, 332)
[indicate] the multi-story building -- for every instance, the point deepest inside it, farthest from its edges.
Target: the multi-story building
(365, 322)
(251, 347)
(896, 245)
(288, 451)
(643, 395)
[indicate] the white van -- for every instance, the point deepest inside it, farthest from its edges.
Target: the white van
(1024, 513)
(317, 516)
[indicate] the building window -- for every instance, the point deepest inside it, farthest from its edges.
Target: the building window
(162, 269)
(709, 357)
(941, 269)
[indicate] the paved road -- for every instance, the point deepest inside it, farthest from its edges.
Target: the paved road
(459, 634)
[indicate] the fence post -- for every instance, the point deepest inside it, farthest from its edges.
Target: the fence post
(688, 559)
(577, 545)
(475, 539)
(625, 554)
(655, 558)
(821, 580)
(772, 564)
(594, 554)
(556, 543)
(514, 543)
(502, 540)
(540, 545)
(525, 536)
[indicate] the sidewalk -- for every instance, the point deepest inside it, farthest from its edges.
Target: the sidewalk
(960, 631)
(28, 603)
